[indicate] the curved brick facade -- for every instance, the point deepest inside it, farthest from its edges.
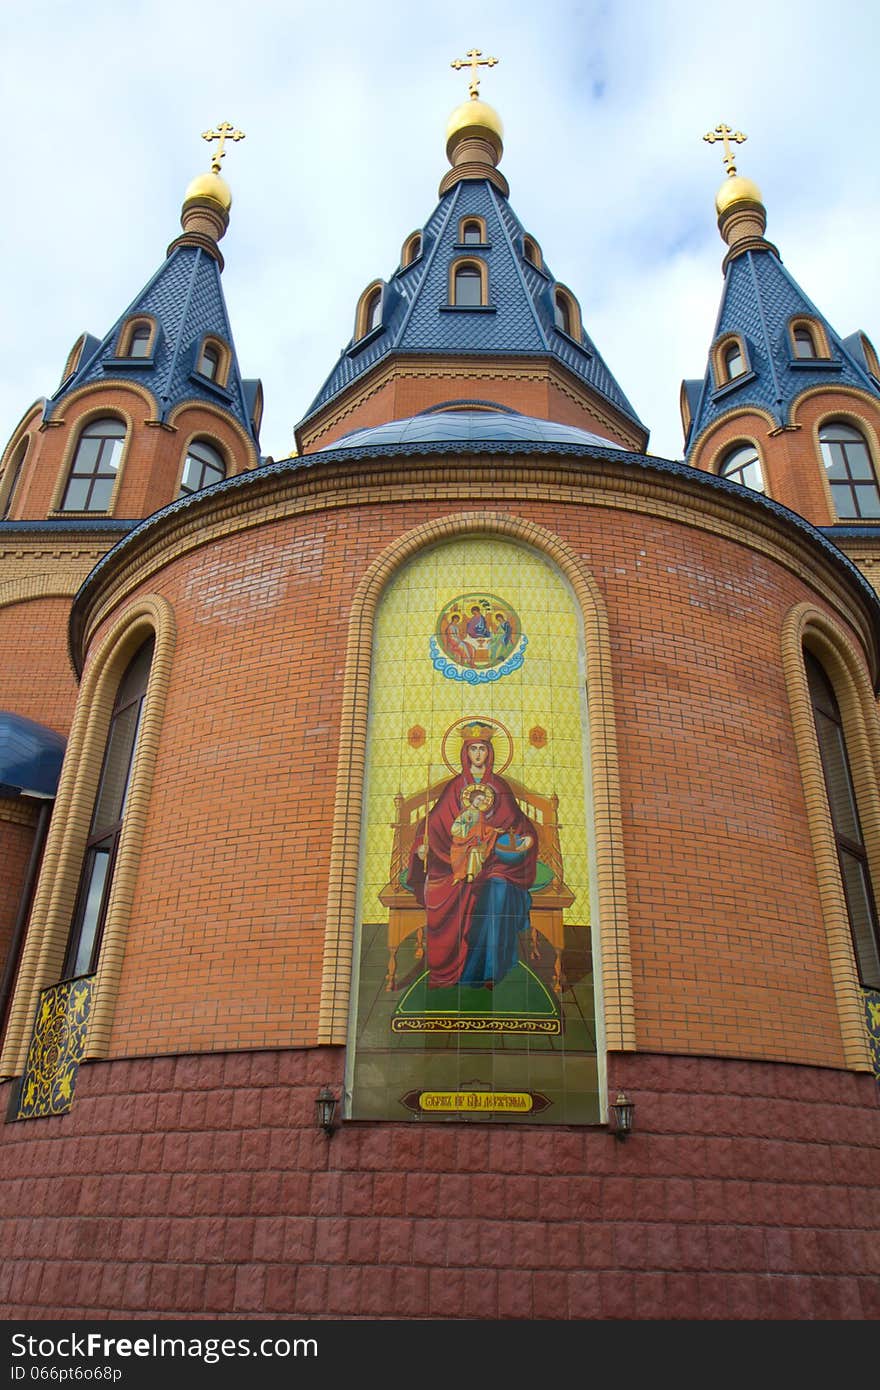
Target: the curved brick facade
(200, 1187)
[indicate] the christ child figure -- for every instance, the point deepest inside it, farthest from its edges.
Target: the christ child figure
(472, 838)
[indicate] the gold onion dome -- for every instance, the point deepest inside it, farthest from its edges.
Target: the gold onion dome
(474, 119)
(210, 186)
(736, 189)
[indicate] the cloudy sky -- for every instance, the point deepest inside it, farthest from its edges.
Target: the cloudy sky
(344, 107)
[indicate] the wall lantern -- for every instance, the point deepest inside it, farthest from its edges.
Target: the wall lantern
(623, 1110)
(325, 1104)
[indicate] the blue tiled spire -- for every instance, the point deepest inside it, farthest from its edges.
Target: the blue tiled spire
(185, 298)
(518, 321)
(758, 303)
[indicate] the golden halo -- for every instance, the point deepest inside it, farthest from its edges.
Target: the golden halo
(482, 719)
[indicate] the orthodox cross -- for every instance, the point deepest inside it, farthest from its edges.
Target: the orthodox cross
(474, 61)
(723, 132)
(223, 133)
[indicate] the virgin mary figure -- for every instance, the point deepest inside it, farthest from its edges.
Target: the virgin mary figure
(474, 918)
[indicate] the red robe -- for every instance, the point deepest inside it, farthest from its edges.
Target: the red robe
(449, 904)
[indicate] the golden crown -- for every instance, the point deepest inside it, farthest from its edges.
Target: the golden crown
(475, 729)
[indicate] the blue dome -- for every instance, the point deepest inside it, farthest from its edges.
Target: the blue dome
(471, 426)
(30, 755)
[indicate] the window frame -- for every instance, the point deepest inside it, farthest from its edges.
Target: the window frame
(70, 473)
(11, 476)
(845, 844)
(130, 330)
(471, 219)
(214, 446)
(732, 451)
(104, 837)
(850, 484)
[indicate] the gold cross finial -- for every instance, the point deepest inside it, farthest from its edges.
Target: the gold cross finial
(223, 133)
(724, 132)
(474, 61)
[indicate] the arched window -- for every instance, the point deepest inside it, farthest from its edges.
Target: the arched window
(851, 852)
(850, 471)
(412, 248)
(9, 481)
(471, 233)
(74, 357)
(95, 466)
(140, 341)
(209, 361)
(468, 286)
(106, 826)
(374, 310)
(804, 346)
(734, 361)
(203, 465)
(564, 315)
(742, 465)
(531, 252)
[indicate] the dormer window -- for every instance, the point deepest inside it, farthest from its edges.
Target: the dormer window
(74, 357)
(471, 233)
(369, 310)
(136, 339)
(140, 342)
(532, 252)
(202, 466)
(566, 315)
(742, 465)
(809, 342)
(561, 313)
(209, 362)
(734, 362)
(412, 249)
(468, 286)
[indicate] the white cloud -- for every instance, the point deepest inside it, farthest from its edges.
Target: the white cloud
(345, 107)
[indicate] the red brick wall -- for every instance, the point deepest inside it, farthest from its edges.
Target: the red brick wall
(15, 850)
(225, 945)
(199, 1187)
(36, 677)
(152, 459)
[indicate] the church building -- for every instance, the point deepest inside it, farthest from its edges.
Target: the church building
(437, 867)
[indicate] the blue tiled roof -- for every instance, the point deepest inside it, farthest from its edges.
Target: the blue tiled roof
(758, 302)
(185, 297)
(416, 318)
(30, 755)
(467, 425)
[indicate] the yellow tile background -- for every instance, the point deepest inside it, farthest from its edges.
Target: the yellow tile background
(547, 691)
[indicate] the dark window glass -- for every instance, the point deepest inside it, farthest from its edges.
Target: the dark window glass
(472, 234)
(140, 341)
(209, 362)
(742, 465)
(852, 855)
(413, 249)
(107, 817)
(850, 471)
(94, 468)
(529, 251)
(468, 286)
(14, 475)
(734, 363)
(562, 313)
(803, 343)
(203, 465)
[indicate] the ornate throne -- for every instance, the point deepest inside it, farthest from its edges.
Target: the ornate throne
(550, 896)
